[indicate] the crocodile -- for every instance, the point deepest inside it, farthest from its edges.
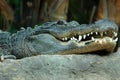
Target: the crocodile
(59, 37)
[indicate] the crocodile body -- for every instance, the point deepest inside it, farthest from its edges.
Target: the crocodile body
(60, 37)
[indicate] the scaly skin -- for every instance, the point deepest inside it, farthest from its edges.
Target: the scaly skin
(60, 37)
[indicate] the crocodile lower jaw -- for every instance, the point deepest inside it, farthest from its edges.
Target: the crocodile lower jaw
(108, 44)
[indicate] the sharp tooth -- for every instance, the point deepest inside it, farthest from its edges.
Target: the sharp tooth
(105, 32)
(66, 38)
(84, 36)
(101, 34)
(2, 57)
(115, 34)
(80, 38)
(74, 38)
(116, 40)
(88, 34)
(63, 39)
(93, 38)
(71, 38)
(96, 33)
(91, 32)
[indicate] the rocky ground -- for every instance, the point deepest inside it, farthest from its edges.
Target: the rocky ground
(62, 67)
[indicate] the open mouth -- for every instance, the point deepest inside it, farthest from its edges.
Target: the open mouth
(90, 42)
(91, 36)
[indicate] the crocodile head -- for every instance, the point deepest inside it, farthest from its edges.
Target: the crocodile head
(63, 37)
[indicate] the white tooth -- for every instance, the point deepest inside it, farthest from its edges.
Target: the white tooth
(93, 38)
(2, 58)
(65, 38)
(105, 32)
(80, 38)
(116, 40)
(71, 38)
(101, 34)
(91, 32)
(84, 36)
(115, 34)
(96, 33)
(88, 34)
(74, 38)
